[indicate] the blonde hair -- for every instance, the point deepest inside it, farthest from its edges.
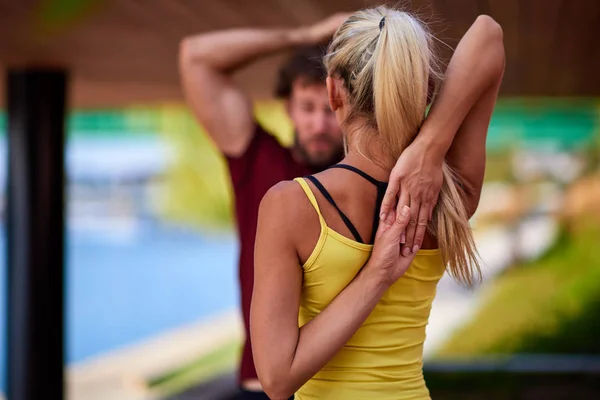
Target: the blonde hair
(386, 60)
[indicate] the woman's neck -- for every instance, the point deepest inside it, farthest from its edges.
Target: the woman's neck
(366, 151)
(371, 163)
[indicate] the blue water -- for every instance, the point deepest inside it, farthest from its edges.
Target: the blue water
(122, 290)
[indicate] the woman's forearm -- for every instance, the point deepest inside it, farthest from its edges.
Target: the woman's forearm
(320, 339)
(476, 65)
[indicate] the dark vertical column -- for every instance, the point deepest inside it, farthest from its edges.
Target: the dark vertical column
(35, 233)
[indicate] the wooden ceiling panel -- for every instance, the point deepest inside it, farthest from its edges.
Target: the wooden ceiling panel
(124, 51)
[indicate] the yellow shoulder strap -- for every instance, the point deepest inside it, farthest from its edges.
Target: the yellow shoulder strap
(311, 198)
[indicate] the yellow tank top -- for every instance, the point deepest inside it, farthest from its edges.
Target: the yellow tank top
(383, 360)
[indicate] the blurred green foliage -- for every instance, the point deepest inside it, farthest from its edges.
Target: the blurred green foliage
(551, 305)
(215, 363)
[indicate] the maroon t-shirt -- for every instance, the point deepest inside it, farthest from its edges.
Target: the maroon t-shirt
(264, 164)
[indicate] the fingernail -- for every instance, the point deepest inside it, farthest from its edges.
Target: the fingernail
(405, 210)
(416, 248)
(406, 251)
(382, 216)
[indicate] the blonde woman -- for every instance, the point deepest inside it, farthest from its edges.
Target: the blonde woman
(339, 306)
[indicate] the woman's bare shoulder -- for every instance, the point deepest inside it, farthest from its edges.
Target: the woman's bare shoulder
(288, 211)
(282, 196)
(286, 201)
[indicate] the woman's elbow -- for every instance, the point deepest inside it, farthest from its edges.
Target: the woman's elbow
(492, 39)
(471, 203)
(273, 377)
(275, 386)
(488, 27)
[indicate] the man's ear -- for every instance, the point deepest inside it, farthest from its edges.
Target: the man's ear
(333, 91)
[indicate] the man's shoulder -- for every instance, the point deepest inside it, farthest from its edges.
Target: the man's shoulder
(270, 140)
(265, 160)
(263, 143)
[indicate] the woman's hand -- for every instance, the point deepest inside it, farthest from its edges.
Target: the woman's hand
(415, 181)
(386, 261)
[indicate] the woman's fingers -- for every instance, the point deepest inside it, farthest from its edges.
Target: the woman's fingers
(389, 199)
(412, 226)
(422, 221)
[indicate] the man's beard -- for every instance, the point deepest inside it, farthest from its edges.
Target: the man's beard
(318, 162)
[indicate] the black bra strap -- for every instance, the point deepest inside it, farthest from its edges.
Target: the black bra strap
(328, 197)
(359, 172)
(381, 188)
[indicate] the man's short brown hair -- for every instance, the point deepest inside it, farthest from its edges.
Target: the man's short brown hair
(306, 64)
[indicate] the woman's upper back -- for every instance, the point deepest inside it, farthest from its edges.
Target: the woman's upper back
(357, 196)
(385, 354)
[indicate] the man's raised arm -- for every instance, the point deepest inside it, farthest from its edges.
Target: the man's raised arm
(206, 62)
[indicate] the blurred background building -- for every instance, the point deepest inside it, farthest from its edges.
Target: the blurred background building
(150, 255)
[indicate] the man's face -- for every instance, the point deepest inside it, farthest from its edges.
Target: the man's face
(318, 135)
